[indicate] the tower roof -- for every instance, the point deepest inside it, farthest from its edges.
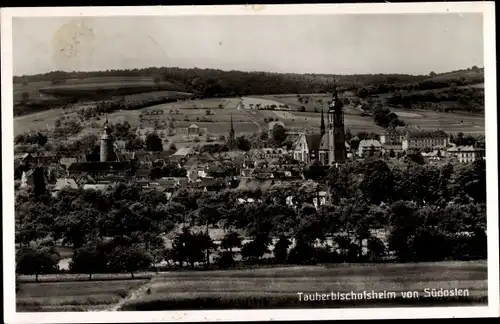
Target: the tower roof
(336, 102)
(107, 130)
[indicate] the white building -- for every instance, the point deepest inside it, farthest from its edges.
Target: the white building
(466, 154)
(369, 147)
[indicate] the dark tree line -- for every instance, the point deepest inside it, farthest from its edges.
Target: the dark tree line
(218, 83)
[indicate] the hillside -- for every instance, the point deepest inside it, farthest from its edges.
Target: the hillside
(45, 91)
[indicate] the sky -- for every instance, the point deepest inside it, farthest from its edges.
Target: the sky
(329, 44)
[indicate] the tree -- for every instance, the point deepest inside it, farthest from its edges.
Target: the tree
(90, 259)
(37, 260)
(302, 253)
(25, 96)
(355, 143)
(230, 241)
(172, 148)
(378, 180)
(186, 248)
(225, 260)
(154, 143)
(207, 244)
(279, 134)
(415, 156)
(315, 171)
(281, 249)
(129, 258)
(255, 249)
(243, 144)
(376, 248)
(134, 143)
(156, 248)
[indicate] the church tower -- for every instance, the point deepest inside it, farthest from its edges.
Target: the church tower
(336, 134)
(231, 141)
(323, 128)
(106, 143)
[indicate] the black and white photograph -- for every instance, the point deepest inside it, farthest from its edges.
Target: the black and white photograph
(249, 162)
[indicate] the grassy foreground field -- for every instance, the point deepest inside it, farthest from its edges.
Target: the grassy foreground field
(72, 296)
(279, 287)
(255, 288)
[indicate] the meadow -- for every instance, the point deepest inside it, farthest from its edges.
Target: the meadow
(73, 295)
(264, 287)
(247, 121)
(278, 287)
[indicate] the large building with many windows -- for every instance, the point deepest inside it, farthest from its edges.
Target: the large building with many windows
(407, 139)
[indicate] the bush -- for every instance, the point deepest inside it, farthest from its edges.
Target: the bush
(226, 260)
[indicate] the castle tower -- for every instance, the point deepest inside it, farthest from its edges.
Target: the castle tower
(231, 141)
(336, 133)
(106, 143)
(323, 128)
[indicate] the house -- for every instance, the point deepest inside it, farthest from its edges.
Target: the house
(116, 179)
(171, 184)
(197, 172)
(143, 132)
(300, 149)
(55, 171)
(369, 147)
(142, 156)
(64, 183)
(182, 153)
(102, 187)
(84, 178)
(274, 153)
(254, 184)
(142, 172)
(100, 168)
(160, 156)
(27, 179)
(466, 154)
(193, 130)
(27, 158)
(392, 139)
(435, 156)
(208, 184)
(321, 199)
(68, 160)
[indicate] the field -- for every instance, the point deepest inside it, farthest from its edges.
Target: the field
(73, 295)
(278, 287)
(248, 121)
(256, 288)
(425, 119)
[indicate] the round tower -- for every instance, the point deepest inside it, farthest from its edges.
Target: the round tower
(106, 143)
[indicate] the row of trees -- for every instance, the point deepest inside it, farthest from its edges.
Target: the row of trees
(445, 218)
(471, 99)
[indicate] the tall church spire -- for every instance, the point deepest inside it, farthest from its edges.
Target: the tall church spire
(323, 128)
(231, 135)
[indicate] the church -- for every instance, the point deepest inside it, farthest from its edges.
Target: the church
(329, 146)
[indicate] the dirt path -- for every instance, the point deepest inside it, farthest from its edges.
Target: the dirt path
(133, 295)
